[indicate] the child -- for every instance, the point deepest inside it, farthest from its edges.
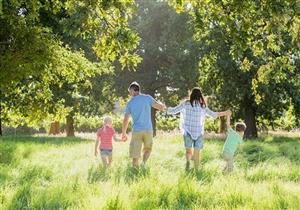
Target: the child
(233, 140)
(192, 118)
(104, 138)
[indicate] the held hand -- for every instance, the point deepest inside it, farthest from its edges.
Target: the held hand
(96, 153)
(124, 137)
(229, 113)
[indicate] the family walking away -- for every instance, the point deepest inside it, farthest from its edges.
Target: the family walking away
(192, 123)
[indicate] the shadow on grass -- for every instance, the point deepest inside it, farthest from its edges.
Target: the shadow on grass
(202, 175)
(255, 152)
(283, 139)
(98, 174)
(22, 199)
(7, 153)
(291, 151)
(35, 174)
(42, 140)
(133, 174)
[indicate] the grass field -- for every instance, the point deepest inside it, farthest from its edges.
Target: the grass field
(62, 173)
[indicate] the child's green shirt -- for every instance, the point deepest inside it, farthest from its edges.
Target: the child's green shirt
(232, 142)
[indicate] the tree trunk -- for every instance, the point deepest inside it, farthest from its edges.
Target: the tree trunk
(0, 127)
(272, 125)
(70, 125)
(54, 128)
(0, 121)
(0, 114)
(250, 120)
(223, 124)
(153, 118)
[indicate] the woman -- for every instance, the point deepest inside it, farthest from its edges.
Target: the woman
(192, 119)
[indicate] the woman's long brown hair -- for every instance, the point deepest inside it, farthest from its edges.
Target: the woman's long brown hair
(197, 97)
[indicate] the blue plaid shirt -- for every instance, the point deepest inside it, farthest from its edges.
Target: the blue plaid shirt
(192, 117)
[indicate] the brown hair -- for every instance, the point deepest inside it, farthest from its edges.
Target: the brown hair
(240, 127)
(197, 97)
(134, 86)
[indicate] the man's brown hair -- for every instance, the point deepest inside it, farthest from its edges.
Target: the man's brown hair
(134, 86)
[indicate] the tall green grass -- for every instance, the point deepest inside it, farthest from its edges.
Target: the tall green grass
(62, 173)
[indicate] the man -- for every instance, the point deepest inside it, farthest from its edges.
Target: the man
(139, 107)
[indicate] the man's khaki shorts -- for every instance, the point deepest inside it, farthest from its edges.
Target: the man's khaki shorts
(137, 140)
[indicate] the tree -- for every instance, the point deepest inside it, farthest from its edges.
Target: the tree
(170, 55)
(251, 51)
(35, 55)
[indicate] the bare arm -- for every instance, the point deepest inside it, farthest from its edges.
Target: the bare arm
(225, 113)
(97, 145)
(125, 126)
(228, 120)
(116, 138)
(159, 106)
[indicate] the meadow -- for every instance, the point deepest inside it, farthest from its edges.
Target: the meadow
(62, 173)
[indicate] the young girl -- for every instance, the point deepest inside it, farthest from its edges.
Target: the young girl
(192, 118)
(104, 141)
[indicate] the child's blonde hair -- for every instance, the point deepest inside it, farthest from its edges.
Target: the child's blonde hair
(107, 119)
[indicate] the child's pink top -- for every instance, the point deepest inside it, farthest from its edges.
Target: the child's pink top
(106, 135)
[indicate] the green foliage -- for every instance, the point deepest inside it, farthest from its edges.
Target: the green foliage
(171, 123)
(169, 53)
(163, 123)
(212, 125)
(288, 120)
(114, 204)
(49, 54)
(250, 55)
(167, 123)
(92, 124)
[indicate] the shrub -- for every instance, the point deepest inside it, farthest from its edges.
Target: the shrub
(167, 123)
(92, 124)
(212, 125)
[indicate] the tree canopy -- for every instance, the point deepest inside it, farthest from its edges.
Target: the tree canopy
(250, 55)
(58, 58)
(54, 43)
